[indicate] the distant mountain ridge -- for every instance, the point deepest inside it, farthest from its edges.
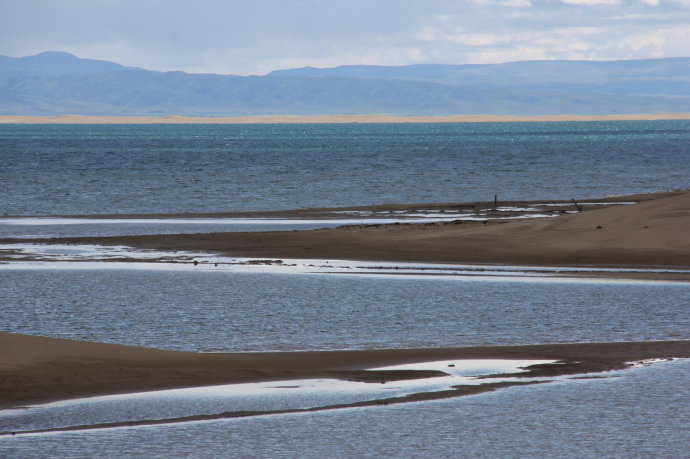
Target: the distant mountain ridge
(54, 83)
(57, 63)
(668, 75)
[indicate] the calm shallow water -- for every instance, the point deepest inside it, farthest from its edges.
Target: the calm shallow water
(219, 311)
(90, 169)
(266, 397)
(642, 413)
(80, 229)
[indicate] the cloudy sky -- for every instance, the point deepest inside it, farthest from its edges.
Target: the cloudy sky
(256, 36)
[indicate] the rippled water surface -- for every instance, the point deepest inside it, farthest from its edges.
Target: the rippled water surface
(639, 413)
(214, 311)
(91, 169)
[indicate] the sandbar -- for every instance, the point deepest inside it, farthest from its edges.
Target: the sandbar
(650, 234)
(37, 369)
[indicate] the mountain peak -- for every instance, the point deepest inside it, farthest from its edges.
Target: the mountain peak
(53, 54)
(56, 63)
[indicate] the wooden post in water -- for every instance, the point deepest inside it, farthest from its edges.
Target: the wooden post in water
(579, 208)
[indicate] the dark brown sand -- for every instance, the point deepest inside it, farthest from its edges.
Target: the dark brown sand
(38, 369)
(653, 233)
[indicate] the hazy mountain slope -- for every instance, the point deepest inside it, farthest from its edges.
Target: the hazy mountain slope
(58, 83)
(651, 76)
(55, 63)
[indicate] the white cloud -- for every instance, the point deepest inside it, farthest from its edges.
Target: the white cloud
(520, 53)
(517, 3)
(657, 43)
(254, 37)
(591, 2)
(507, 3)
(637, 17)
(476, 39)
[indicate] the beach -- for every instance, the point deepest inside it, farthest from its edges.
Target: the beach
(330, 119)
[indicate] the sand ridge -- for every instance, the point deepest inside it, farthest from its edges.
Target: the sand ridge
(653, 233)
(39, 369)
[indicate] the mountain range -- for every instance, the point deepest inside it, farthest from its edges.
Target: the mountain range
(56, 83)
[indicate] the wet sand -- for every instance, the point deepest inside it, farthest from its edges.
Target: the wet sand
(38, 369)
(327, 119)
(651, 234)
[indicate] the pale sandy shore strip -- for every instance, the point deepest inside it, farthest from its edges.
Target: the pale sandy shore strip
(329, 119)
(39, 369)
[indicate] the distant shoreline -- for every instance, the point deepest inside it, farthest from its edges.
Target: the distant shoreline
(330, 119)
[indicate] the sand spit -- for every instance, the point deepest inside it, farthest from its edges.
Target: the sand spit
(329, 119)
(39, 369)
(652, 233)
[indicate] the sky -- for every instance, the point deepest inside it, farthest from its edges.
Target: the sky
(253, 37)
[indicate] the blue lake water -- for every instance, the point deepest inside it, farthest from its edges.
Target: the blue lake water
(54, 170)
(639, 413)
(22, 229)
(90, 169)
(218, 311)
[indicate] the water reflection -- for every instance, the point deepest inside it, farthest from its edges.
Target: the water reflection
(639, 414)
(261, 397)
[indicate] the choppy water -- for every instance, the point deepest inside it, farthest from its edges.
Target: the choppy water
(90, 169)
